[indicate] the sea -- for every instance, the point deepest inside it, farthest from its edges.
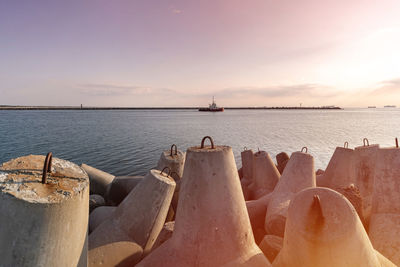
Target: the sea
(130, 142)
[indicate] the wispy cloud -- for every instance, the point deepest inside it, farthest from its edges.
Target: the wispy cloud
(308, 90)
(387, 87)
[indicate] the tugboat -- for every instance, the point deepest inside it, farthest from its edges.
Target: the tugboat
(212, 107)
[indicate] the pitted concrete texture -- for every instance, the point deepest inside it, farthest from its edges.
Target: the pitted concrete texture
(212, 227)
(22, 178)
(386, 190)
(323, 230)
(384, 232)
(43, 224)
(365, 158)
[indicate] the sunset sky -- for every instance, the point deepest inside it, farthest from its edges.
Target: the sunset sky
(181, 53)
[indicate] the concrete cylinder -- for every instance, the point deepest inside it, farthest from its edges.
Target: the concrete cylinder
(43, 224)
(323, 230)
(265, 175)
(340, 171)
(140, 216)
(99, 180)
(212, 227)
(174, 159)
(298, 174)
(365, 158)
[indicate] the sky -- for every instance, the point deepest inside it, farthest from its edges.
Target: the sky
(181, 53)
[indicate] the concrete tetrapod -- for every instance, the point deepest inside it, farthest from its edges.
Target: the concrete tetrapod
(140, 216)
(212, 226)
(384, 228)
(298, 174)
(265, 175)
(99, 180)
(323, 230)
(43, 224)
(364, 161)
(340, 171)
(174, 159)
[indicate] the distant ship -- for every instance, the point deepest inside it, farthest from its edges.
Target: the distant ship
(371, 106)
(390, 106)
(212, 107)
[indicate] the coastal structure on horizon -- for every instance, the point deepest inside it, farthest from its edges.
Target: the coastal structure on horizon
(11, 107)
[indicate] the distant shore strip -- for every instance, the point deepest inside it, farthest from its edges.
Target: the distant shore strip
(5, 107)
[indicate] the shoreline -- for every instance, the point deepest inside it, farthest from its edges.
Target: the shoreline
(5, 107)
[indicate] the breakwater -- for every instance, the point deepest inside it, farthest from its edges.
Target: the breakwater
(4, 107)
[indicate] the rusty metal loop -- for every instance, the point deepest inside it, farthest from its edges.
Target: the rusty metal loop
(397, 142)
(245, 148)
(204, 139)
(176, 150)
(47, 166)
(365, 141)
(346, 144)
(169, 171)
(304, 148)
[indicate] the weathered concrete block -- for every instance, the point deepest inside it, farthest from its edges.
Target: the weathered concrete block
(99, 180)
(298, 174)
(365, 158)
(140, 216)
(43, 224)
(121, 254)
(271, 245)
(384, 232)
(212, 227)
(323, 229)
(340, 171)
(99, 215)
(120, 187)
(174, 159)
(265, 175)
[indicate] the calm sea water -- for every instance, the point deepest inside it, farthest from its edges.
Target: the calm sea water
(130, 142)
